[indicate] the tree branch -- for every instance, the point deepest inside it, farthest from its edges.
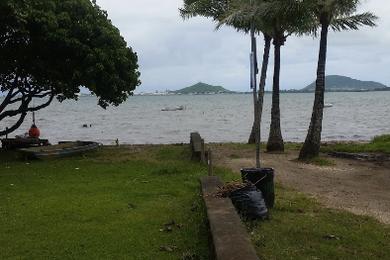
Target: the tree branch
(11, 113)
(33, 109)
(15, 126)
(6, 100)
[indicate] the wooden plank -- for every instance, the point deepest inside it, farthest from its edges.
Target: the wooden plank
(210, 162)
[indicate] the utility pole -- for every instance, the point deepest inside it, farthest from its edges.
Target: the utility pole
(253, 82)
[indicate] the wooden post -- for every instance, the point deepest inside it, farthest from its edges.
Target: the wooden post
(210, 162)
(202, 153)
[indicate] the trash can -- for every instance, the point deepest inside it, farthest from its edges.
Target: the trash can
(263, 178)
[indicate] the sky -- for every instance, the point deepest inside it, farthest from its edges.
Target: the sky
(175, 53)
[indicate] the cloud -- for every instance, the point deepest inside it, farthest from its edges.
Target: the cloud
(174, 53)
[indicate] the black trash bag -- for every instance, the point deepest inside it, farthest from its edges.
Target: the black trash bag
(249, 202)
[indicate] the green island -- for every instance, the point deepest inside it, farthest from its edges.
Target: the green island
(334, 83)
(202, 88)
(337, 83)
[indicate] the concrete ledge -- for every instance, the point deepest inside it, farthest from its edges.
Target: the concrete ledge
(230, 239)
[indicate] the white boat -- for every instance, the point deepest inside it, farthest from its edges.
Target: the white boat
(328, 105)
(177, 108)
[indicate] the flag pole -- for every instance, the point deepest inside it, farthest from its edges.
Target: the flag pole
(253, 83)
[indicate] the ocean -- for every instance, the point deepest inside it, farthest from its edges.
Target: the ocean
(218, 118)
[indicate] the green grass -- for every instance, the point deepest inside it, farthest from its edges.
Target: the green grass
(105, 205)
(319, 161)
(292, 146)
(380, 144)
(112, 204)
(300, 228)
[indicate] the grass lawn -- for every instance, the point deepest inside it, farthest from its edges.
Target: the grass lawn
(301, 228)
(380, 144)
(110, 204)
(113, 204)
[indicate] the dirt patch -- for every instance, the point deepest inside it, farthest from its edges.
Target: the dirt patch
(359, 187)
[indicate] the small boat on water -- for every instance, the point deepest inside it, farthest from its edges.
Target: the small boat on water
(328, 105)
(62, 149)
(177, 108)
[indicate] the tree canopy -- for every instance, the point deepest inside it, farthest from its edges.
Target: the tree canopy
(51, 48)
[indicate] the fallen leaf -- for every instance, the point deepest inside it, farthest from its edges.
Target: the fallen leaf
(189, 256)
(131, 206)
(331, 237)
(179, 226)
(168, 248)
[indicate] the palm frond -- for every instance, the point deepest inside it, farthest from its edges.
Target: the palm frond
(205, 8)
(353, 22)
(239, 15)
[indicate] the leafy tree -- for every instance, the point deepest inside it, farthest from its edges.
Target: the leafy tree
(50, 48)
(337, 15)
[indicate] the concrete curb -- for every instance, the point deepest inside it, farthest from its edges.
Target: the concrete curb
(230, 239)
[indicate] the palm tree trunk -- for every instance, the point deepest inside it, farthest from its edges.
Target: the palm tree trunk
(275, 140)
(311, 147)
(263, 78)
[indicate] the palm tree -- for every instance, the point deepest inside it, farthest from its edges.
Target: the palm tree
(337, 15)
(263, 78)
(275, 139)
(282, 18)
(241, 13)
(234, 13)
(266, 13)
(277, 19)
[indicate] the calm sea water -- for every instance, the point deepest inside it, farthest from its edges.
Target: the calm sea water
(219, 118)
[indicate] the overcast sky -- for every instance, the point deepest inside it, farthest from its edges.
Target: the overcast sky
(174, 53)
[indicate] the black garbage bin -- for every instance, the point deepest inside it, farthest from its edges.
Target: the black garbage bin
(263, 178)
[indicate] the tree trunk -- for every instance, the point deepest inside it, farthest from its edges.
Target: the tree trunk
(275, 140)
(263, 77)
(311, 147)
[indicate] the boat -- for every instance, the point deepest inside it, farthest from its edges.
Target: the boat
(328, 105)
(23, 142)
(177, 108)
(62, 149)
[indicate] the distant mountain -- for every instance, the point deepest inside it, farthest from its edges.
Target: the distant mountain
(336, 83)
(202, 88)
